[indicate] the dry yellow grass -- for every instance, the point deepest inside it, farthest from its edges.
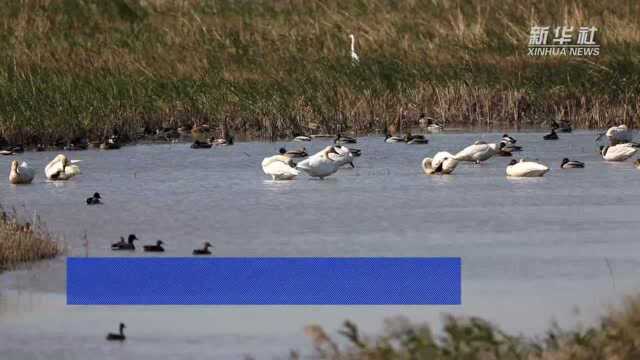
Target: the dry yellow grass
(23, 242)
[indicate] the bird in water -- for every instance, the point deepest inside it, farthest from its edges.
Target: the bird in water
(117, 336)
(415, 139)
(524, 168)
(154, 248)
(341, 140)
(61, 168)
(94, 200)
(571, 164)
(392, 139)
(298, 153)
(620, 152)
(204, 250)
(442, 163)
(479, 151)
(197, 144)
(122, 245)
(508, 139)
(320, 164)
(280, 167)
(21, 173)
(551, 136)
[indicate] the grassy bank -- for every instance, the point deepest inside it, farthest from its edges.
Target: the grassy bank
(23, 242)
(72, 68)
(616, 336)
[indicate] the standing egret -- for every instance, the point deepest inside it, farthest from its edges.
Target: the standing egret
(354, 56)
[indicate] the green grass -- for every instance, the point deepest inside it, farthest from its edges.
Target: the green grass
(276, 68)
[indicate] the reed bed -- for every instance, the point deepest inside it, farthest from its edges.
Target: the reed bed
(22, 242)
(615, 336)
(272, 69)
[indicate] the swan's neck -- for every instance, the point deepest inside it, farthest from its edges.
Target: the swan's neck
(353, 44)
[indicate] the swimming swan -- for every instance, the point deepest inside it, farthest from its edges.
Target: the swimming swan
(620, 152)
(61, 168)
(279, 167)
(524, 168)
(21, 174)
(320, 164)
(479, 151)
(442, 163)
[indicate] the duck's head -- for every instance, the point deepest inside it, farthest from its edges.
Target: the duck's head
(565, 160)
(14, 166)
(207, 245)
(282, 151)
(159, 242)
(637, 162)
(122, 326)
(505, 135)
(132, 238)
(96, 196)
(513, 162)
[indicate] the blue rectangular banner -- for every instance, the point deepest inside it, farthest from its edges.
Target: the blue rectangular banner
(264, 281)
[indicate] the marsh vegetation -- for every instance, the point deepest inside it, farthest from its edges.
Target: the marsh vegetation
(272, 69)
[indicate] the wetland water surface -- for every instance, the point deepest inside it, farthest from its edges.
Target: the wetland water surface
(533, 250)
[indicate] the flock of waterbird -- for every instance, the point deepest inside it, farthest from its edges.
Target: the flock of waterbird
(327, 162)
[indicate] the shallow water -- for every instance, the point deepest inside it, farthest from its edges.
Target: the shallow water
(533, 249)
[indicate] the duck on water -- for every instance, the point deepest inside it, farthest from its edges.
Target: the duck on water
(571, 164)
(94, 200)
(154, 248)
(117, 336)
(122, 245)
(204, 251)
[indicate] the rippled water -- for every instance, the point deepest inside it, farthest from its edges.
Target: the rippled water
(532, 249)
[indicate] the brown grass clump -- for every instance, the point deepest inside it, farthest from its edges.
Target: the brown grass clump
(615, 337)
(24, 242)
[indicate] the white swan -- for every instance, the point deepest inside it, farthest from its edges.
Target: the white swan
(278, 166)
(524, 168)
(620, 152)
(354, 57)
(343, 156)
(320, 164)
(442, 163)
(61, 168)
(619, 135)
(479, 151)
(21, 174)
